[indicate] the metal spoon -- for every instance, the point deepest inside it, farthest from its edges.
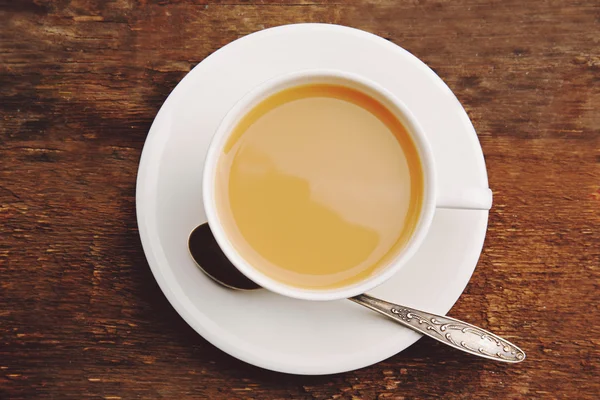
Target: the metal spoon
(208, 256)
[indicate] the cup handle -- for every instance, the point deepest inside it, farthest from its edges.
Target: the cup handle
(465, 199)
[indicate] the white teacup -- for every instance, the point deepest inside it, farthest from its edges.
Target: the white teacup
(473, 198)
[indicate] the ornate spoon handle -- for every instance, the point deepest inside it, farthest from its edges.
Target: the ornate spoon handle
(450, 331)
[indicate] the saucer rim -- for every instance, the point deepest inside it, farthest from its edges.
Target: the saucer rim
(144, 202)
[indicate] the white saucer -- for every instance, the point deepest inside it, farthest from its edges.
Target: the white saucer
(260, 327)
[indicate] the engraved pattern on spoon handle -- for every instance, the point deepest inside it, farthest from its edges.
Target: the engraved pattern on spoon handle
(450, 331)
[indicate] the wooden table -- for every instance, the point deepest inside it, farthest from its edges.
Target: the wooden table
(80, 82)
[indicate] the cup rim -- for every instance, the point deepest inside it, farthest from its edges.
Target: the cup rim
(274, 85)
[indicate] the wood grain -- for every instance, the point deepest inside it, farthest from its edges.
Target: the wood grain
(80, 83)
